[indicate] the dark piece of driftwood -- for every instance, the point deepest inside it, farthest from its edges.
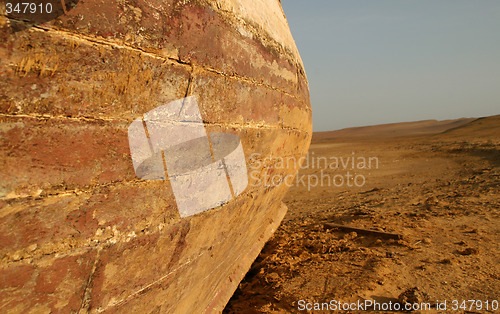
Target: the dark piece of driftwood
(381, 234)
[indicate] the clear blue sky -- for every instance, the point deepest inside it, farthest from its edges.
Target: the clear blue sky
(381, 61)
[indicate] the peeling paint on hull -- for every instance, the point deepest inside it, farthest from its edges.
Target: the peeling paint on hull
(78, 230)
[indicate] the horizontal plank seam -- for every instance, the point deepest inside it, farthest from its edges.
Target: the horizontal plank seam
(254, 125)
(103, 42)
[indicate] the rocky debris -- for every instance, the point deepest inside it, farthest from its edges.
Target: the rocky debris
(413, 296)
(469, 251)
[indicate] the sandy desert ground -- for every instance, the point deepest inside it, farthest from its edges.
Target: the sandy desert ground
(435, 189)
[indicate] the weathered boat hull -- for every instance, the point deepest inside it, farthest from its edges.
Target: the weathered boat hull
(78, 230)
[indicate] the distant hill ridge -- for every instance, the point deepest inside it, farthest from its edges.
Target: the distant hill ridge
(486, 127)
(424, 127)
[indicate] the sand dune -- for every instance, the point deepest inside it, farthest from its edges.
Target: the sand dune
(394, 129)
(486, 127)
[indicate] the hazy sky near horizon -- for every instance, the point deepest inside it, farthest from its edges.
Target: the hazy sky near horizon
(371, 62)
